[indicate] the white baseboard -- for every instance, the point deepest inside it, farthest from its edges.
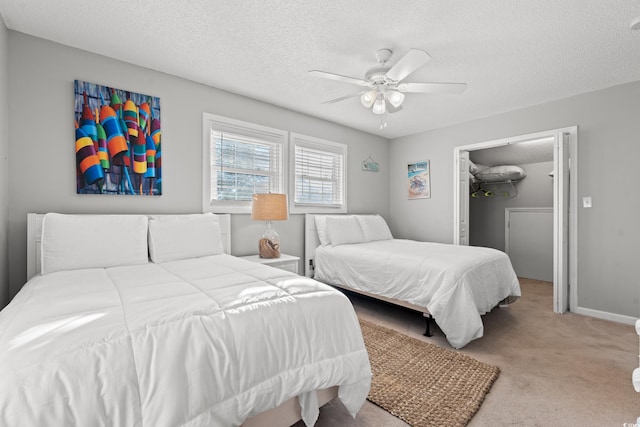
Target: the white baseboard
(620, 318)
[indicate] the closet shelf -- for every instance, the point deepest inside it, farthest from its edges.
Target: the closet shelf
(508, 181)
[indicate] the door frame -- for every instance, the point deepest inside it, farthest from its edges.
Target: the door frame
(570, 286)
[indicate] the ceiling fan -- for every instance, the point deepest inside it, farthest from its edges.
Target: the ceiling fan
(383, 90)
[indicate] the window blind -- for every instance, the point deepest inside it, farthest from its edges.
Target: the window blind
(242, 165)
(319, 174)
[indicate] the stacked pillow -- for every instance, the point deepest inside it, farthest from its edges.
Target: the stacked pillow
(174, 237)
(71, 242)
(347, 229)
(501, 173)
(484, 173)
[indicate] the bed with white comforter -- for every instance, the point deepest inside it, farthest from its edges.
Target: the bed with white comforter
(456, 284)
(203, 341)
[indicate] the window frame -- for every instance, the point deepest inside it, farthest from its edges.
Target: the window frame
(296, 139)
(225, 124)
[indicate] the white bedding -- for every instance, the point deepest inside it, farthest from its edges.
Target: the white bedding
(206, 341)
(455, 283)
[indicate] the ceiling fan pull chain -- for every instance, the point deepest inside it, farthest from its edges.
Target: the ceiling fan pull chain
(383, 120)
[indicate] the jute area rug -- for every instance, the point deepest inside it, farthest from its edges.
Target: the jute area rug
(421, 383)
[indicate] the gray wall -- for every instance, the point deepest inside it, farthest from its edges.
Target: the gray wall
(4, 167)
(608, 153)
(41, 171)
(41, 138)
(486, 215)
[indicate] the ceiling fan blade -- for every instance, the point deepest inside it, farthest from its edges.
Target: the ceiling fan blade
(413, 60)
(391, 109)
(444, 88)
(338, 77)
(343, 98)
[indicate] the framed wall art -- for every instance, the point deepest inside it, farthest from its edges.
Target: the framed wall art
(117, 141)
(419, 180)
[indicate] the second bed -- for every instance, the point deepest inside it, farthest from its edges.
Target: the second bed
(455, 284)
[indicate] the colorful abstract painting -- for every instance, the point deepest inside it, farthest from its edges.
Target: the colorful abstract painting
(118, 147)
(418, 180)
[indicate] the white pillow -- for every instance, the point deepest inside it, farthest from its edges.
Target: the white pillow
(474, 169)
(321, 228)
(71, 242)
(344, 229)
(374, 228)
(501, 173)
(174, 237)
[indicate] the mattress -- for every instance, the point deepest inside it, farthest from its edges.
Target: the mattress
(457, 284)
(194, 342)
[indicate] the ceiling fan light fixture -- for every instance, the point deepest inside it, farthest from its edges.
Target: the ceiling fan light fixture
(368, 98)
(383, 91)
(379, 106)
(395, 98)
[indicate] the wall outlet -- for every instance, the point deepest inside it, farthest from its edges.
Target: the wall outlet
(586, 202)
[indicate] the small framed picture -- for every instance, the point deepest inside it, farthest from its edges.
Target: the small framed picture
(418, 180)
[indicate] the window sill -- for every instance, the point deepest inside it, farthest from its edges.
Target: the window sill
(228, 209)
(293, 209)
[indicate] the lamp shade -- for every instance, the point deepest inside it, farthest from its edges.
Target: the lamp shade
(368, 98)
(269, 207)
(379, 106)
(395, 98)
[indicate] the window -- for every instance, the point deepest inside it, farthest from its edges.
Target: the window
(319, 183)
(240, 159)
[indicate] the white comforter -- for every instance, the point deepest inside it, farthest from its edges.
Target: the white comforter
(455, 283)
(199, 342)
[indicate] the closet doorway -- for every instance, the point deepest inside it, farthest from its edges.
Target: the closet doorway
(565, 171)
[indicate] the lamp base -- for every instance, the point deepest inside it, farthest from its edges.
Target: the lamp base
(267, 248)
(269, 243)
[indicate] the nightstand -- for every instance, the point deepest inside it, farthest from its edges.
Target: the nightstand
(285, 262)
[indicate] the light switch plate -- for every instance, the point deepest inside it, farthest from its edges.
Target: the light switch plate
(586, 202)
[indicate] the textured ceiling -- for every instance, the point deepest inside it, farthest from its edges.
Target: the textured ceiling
(511, 53)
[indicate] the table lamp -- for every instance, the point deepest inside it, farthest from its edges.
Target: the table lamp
(269, 207)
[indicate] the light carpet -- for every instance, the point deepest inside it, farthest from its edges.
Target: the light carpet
(423, 384)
